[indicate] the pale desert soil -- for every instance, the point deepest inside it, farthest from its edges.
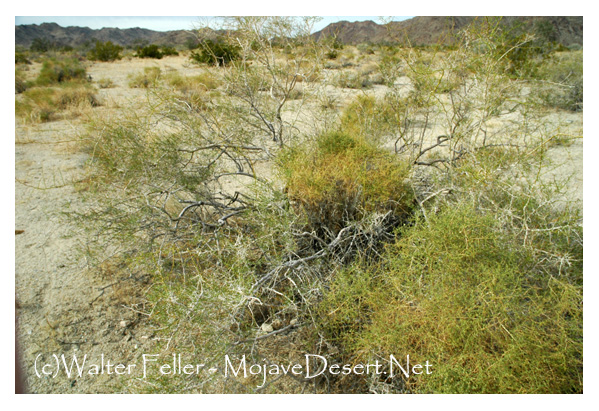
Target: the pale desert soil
(63, 306)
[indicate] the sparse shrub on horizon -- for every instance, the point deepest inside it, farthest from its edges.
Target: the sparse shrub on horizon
(155, 52)
(219, 53)
(168, 51)
(151, 51)
(105, 51)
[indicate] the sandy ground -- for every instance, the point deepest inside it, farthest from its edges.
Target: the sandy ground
(63, 307)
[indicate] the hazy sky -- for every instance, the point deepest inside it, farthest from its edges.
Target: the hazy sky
(158, 23)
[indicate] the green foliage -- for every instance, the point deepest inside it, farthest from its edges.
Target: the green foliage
(563, 72)
(352, 79)
(456, 292)
(42, 104)
(105, 51)
(21, 58)
(369, 118)
(219, 53)
(41, 45)
(60, 70)
(156, 52)
(169, 51)
(343, 177)
(151, 51)
(525, 47)
(332, 54)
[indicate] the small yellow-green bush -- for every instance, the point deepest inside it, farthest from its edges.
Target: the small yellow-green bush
(56, 71)
(342, 177)
(40, 104)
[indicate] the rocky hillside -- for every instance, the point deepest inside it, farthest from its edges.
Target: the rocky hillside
(429, 30)
(417, 31)
(80, 36)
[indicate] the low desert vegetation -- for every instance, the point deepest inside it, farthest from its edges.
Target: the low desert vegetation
(156, 52)
(146, 79)
(283, 205)
(60, 89)
(107, 51)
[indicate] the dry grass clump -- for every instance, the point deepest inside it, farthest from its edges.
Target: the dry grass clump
(60, 71)
(196, 90)
(148, 78)
(61, 89)
(41, 104)
(105, 83)
(205, 81)
(352, 79)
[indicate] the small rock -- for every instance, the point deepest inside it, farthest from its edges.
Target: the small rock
(267, 328)
(293, 322)
(123, 324)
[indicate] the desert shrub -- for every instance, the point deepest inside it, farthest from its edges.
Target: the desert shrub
(389, 66)
(155, 52)
(332, 54)
(169, 51)
(219, 53)
(58, 71)
(21, 58)
(105, 83)
(41, 104)
(341, 178)
(458, 293)
(563, 72)
(21, 84)
(41, 45)
(196, 90)
(365, 48)
(151, 51)
(368, 117)
(148, 78)
(105, 51)
(353, 80)
(574, 47)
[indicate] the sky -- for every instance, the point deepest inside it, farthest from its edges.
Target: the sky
(159, 23)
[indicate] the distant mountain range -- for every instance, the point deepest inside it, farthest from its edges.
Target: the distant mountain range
(81, 36)
(417, 31)
(431, 30)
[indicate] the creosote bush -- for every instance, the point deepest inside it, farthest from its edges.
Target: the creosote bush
(216, 53)
(156, 52)
(105, 51)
